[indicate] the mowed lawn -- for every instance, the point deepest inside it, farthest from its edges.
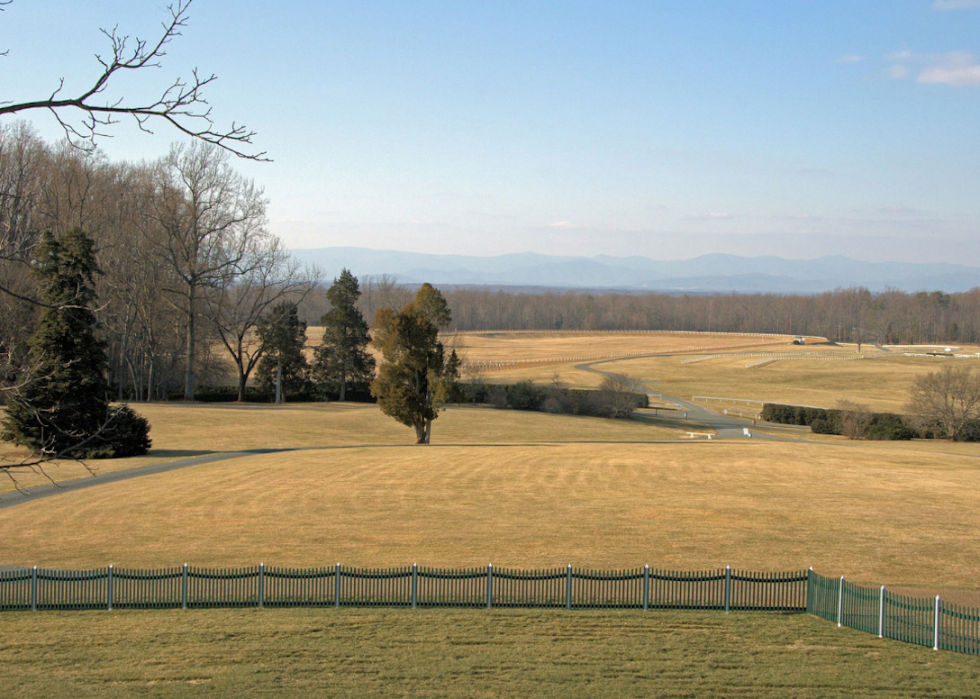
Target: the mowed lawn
(463, 654)
(182, 430)
(875, 512)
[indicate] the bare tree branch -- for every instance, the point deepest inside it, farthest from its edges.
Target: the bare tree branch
(182, 105)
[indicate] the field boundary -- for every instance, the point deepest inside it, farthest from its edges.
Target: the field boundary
(920, 621)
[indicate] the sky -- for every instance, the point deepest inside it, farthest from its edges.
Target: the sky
(667, 129)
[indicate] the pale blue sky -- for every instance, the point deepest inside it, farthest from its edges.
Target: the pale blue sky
(665, 129)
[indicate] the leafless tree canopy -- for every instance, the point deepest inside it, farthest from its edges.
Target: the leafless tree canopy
(87, 115)
(842, 315)
(182, 248)
(855, 418)
(944, 401)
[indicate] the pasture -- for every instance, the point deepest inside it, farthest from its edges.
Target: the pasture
(516, 489)
(877, 512)
(183, 430)
(815, 374)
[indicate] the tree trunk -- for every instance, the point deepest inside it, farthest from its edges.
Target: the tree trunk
(241, 385)
(242, 376)
(279, 382)
(343, 381)
(422, 433)
(189, 376)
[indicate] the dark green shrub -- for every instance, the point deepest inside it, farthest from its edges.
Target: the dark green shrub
(888, 426)
(824, 426)
(970, 432)
(127, 433)
(524, 395)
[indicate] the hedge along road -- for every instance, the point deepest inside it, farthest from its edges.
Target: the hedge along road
(726, 427)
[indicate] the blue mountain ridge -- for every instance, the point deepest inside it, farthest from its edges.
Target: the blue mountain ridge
(711, 273)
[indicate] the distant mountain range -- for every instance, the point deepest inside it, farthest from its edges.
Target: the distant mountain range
(715, 273)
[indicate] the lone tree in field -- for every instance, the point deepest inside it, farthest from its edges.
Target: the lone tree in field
(413, 381)
(343, 360)
(944, 401)
(63, 409)
(283, 336)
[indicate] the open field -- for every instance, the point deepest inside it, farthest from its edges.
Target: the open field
(181, 430)
(515, 489)
(469, 653)
(883, 384)
(539, 346)
(877, 512)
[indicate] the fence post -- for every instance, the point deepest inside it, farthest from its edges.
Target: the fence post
(109, 590)
(336, 586)
(881, 613)
(183, 589)
(568, 589)
(840, 602)
(261, 585)
(34, 590)
(809, 591)
(489, 585)
(728, 589)
(935, 645)
(415, 584)
(646, 587)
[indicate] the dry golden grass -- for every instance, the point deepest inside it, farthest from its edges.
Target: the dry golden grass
(883, 384)
(181, 430)
(538, 346)
(878, 513)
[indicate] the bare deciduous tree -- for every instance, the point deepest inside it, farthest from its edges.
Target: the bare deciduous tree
(180, 105)
(204, 221)
(269, 277)
(944, 401)
(854, 418)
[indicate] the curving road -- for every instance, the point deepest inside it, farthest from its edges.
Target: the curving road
(726, 427)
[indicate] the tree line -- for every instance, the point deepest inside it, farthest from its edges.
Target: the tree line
(843, 315)
(186, 264)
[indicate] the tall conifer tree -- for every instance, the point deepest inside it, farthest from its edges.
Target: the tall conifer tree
(283, 337)
(343, 360)
(63, 408)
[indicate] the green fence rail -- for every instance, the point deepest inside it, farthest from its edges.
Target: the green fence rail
(411, 586)
(927, 622)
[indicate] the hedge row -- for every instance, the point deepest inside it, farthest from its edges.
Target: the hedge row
(229, 394)
(525, 395)
(882, 426)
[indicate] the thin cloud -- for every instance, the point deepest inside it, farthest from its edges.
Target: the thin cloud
(956, 4)
(958, 68)
(566, 224)
(851, 58)
(954, 68)
(898, 71)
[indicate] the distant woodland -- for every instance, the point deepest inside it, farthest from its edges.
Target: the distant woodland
(844, 315)
(188, 268)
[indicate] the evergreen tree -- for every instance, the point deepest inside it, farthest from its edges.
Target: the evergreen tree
(415, 378)
(63, 408)
(342, 360)
(283, 336)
